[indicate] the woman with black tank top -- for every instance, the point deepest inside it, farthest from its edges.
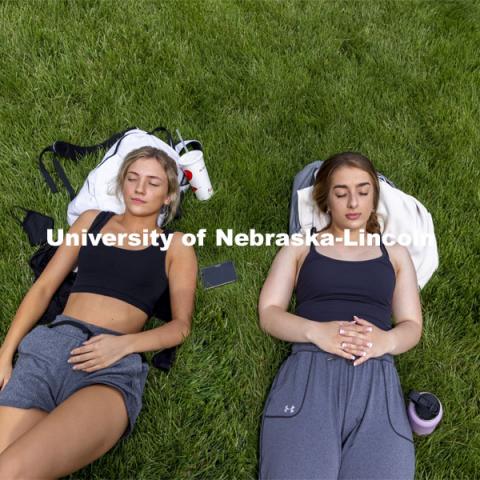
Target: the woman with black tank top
(76, 388)
(336, 408)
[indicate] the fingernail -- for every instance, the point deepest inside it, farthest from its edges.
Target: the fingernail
(369, 344)
(369, 329)
(74, 367)
(342, 330)
(364, 353)
(353, 357)
(343, 345)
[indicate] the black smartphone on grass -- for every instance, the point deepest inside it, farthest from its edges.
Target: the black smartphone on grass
(217, 275)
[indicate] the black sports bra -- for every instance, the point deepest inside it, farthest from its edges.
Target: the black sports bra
(135, 276)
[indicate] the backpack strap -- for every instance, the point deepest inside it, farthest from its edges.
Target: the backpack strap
(77, 152)
(169, 135)
(72, 152)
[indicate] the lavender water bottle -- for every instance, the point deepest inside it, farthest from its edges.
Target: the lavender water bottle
(424, 412)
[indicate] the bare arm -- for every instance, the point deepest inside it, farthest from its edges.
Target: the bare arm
(41, 292)
(182, 278)
(275, 298)
(406, 307)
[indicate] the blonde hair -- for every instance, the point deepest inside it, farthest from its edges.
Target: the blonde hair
(321, 186)
(170, 167)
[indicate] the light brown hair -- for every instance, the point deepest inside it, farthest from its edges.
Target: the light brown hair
(322, 184)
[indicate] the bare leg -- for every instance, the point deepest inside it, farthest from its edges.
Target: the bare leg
(16, 421)
(77, 432)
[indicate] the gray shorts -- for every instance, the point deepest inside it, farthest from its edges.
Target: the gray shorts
(42, 378)
(326, 419)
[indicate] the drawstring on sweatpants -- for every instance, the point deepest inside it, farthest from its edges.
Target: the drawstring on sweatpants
(83, 328)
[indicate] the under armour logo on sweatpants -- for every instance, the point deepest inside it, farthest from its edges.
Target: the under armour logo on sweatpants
(289, 409)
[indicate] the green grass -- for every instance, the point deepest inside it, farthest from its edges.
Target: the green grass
(267, 86)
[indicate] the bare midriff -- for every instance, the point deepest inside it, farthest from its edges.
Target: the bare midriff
(104, 311)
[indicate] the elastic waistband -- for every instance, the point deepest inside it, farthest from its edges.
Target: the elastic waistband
(310, 347)
(79, 328)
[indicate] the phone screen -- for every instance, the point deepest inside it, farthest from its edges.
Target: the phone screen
(217, 275)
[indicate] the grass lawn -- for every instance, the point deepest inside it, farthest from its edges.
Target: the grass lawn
(266, 86)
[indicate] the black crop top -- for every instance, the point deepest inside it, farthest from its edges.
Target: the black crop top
(135, 276)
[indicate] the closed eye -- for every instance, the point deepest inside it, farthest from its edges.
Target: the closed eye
(344, 195)
(150, 183)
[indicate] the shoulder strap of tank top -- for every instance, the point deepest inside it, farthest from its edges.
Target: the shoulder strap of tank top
(383, 248)
(313, 230)
(166, 232)
(100, 220)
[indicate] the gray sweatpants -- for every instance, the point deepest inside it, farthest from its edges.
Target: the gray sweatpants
(326, 419)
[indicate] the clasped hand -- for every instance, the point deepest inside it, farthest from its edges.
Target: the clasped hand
(98, 352)
(346, 339)
(363, 339)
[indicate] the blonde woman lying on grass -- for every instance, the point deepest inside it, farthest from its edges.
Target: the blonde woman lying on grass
(76, 388)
